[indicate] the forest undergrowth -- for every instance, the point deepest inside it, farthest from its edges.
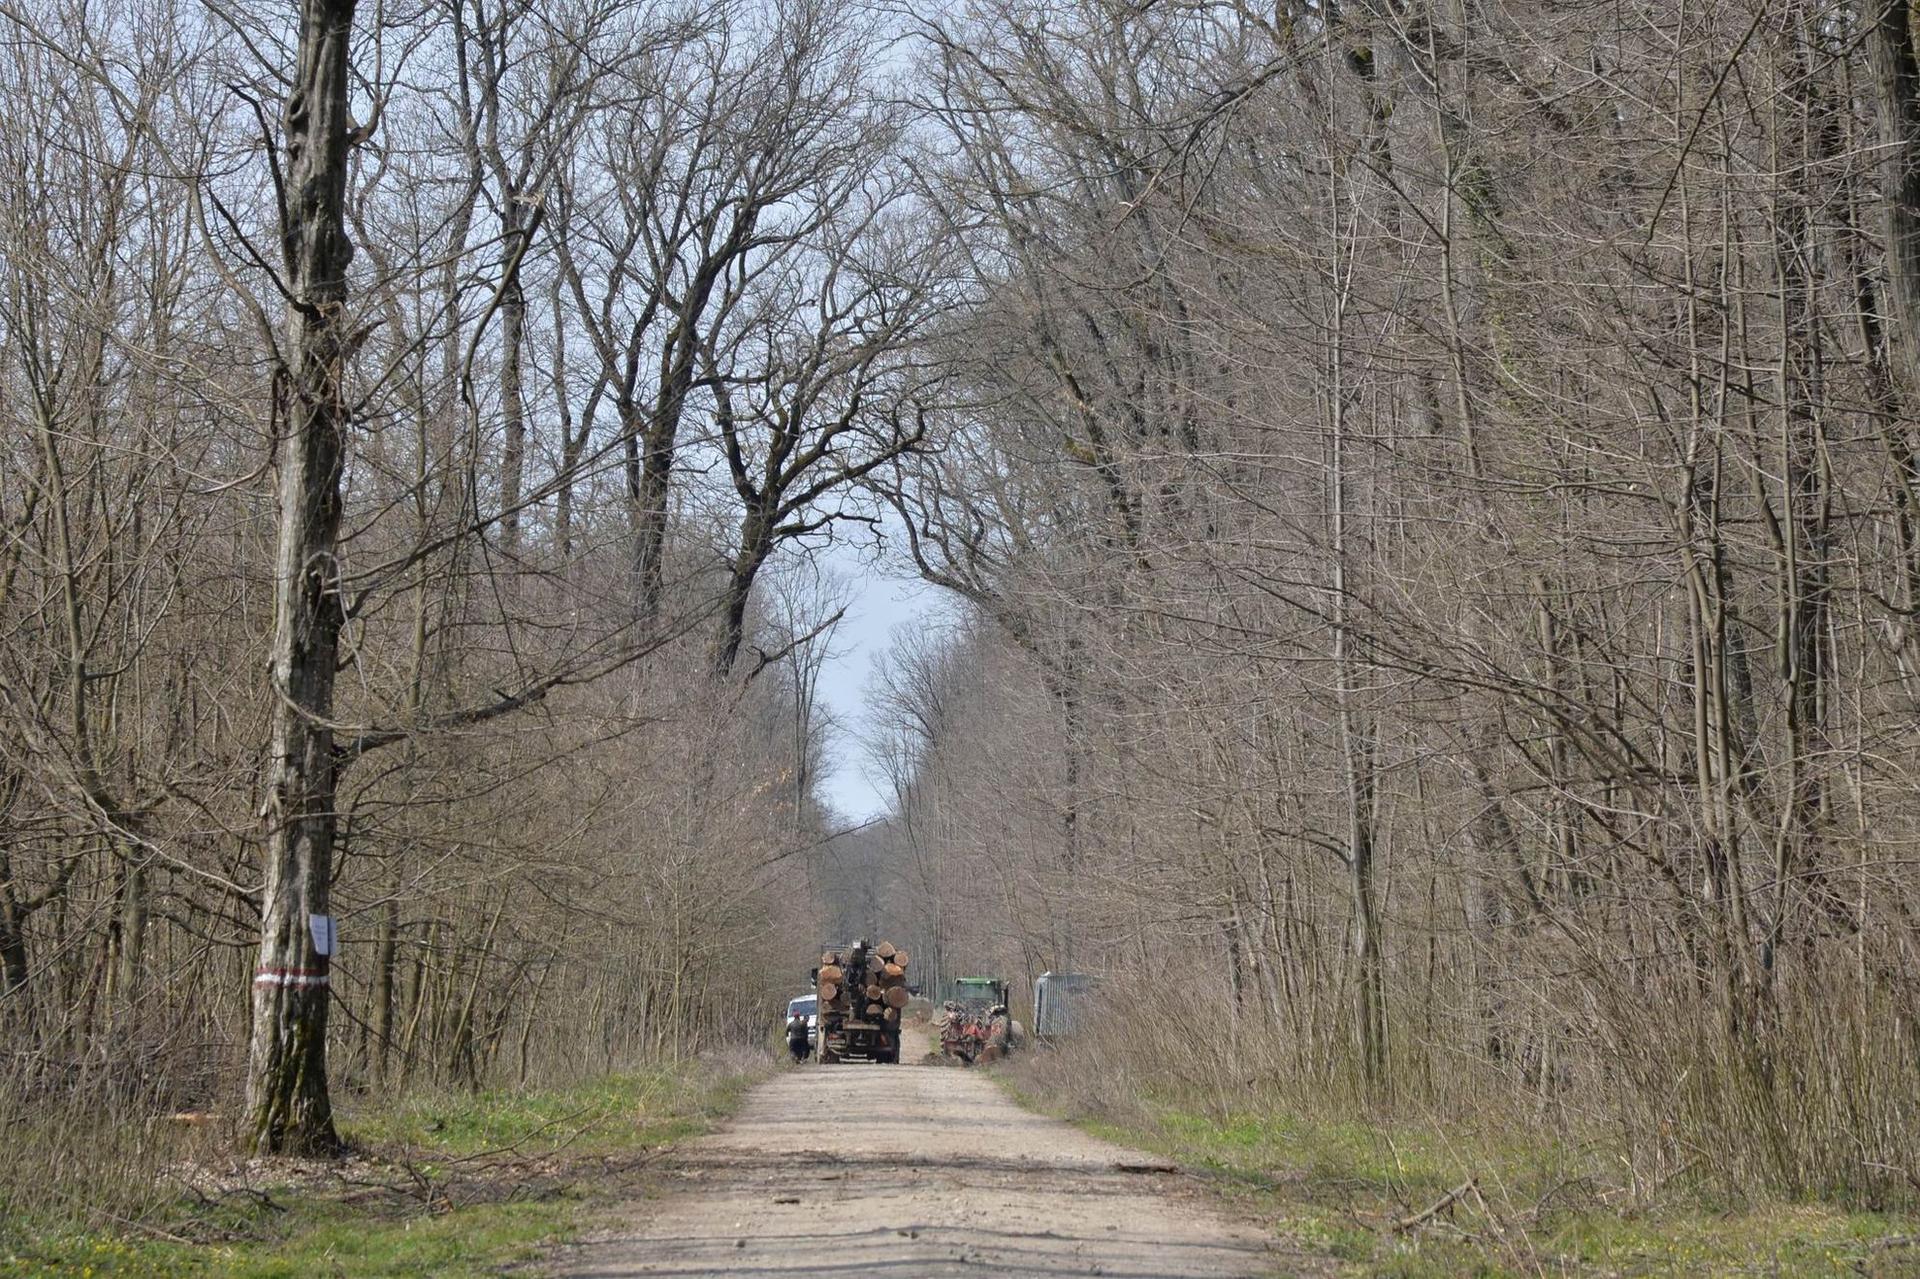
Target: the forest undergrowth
(436, 1181)
(1485, 1180)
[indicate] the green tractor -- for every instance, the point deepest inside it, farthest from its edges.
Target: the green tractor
(963, 1034)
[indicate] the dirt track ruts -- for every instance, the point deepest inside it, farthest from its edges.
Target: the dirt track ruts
(916, 1171)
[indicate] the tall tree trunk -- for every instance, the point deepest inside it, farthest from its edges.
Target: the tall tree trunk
(129, 959)
(1356, 738)
(1803, 546)
(513, 407)
(13, 946)
(1893, 333)
(288, 1106)
(1896, 70)
(1369, 979)
(386, 954)
(572, 443)
(1072, 730)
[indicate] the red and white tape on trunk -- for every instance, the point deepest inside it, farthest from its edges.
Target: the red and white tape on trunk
(298, 978)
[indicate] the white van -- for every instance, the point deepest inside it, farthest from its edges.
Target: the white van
(809, 1005)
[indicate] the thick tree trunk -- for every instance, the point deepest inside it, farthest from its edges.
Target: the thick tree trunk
(288, 1106)
(756, 543)
(650, 462)
(733, 621)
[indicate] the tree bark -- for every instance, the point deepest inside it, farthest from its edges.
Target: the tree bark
(1893, 333)
(288, 1106)
(756, 543)
(13, 943)
(385, 957)
(129, 957)
(1896, 68)
(649, 491)
(1356, 738)
(513, 410)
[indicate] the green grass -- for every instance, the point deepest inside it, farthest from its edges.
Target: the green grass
(450, 1185)
(1337, 1188)
(618, 1113)
(322, 1241)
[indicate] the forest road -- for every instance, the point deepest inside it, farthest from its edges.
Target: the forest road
(918, 1171)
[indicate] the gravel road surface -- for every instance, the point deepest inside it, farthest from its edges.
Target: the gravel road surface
(917, 1171)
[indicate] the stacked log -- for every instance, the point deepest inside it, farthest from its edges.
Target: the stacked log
(866, 983)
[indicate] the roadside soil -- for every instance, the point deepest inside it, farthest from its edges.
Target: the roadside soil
(918, 1171)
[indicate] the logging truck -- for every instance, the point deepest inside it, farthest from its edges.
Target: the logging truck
(862, 990)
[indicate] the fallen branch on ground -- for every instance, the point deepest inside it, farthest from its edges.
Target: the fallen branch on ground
(1445, 1202)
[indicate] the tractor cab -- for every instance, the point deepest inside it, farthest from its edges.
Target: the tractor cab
(978, 992)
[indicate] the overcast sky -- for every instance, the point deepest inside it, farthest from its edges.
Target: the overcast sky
(881, 604)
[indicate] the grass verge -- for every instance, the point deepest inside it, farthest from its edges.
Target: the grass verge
(1416, 1200)
(455, 1184)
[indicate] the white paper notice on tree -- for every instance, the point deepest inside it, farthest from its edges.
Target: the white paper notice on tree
(326, 933)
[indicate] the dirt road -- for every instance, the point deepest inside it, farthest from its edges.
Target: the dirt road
(917, 1171)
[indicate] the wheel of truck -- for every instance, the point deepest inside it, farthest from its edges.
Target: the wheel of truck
(828, 1056)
